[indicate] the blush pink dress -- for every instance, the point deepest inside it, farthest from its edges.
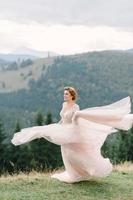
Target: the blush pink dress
(81, 134)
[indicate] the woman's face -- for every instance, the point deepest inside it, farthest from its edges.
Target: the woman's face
(67, 95)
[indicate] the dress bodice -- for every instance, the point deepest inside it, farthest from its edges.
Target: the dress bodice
(66, 116)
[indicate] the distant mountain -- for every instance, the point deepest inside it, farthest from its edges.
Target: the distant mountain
(24, 53)
(130, 50)
(2, 62)
(20, 77)
(33, 52)
(14, 57)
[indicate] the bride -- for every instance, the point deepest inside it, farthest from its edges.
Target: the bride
(81, 134)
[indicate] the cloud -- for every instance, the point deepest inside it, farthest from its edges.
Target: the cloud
(66, 27)
(71, 12)
(62, 39)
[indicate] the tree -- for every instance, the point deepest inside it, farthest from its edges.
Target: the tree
(37, 146)
(17, 127)
(48, 118)
(45, 155)
(53, 151)
(130, 145)
(19, 156)
(119, 146)
(2, 149)
(39, 119)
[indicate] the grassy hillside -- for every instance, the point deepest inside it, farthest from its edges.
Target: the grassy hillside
(16, 79)
(100, 78)
(39, 186)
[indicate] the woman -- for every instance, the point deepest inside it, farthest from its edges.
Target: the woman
(81, 134)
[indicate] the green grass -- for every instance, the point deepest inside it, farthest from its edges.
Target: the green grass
(37, 186)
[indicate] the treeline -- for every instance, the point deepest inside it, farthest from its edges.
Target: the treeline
(19, 64)
(15, 65)
(119, 146)
(38, 154)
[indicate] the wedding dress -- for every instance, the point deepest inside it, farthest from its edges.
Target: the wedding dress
(81, 134)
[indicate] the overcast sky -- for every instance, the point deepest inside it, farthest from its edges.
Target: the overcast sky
(66, 26)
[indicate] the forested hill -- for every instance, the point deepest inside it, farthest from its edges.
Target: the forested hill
(100, 78)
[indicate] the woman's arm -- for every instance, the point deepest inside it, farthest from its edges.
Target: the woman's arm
(75, 115)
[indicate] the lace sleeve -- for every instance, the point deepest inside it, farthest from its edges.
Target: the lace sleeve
(76, 109)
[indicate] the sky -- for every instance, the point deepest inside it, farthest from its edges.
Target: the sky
(66, 26)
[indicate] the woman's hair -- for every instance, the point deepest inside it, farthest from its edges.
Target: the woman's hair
(72, 91)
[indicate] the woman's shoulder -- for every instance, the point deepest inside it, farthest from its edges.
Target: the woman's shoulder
(64, 103)
(76, 106)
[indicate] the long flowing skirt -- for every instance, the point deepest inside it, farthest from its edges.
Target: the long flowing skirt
(81, 142)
